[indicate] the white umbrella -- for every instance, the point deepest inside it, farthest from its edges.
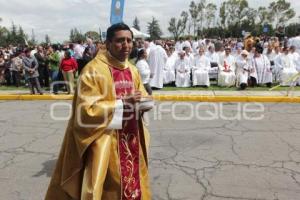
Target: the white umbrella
(139, 34)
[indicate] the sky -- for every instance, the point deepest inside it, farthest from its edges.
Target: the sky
(57, 17)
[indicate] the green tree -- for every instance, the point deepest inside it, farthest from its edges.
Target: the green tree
(92, 35)
(32, 40)
(76, 35)
(177, 27)
(292, 30)
(154, 29)
(223, 14)
(280, 12)
(263, 15)
(12, 35)
(21, 37)
(236, 11)
(136, 24)
(194, 13)
(210, 12)
(47, 39)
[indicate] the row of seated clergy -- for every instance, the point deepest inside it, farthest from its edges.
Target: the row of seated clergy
(198, 72)
(232, 71)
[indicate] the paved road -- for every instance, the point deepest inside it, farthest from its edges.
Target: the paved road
(198, 151)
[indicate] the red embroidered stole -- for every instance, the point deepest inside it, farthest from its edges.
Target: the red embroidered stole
(128, 139)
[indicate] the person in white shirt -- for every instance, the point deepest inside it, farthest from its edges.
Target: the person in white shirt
(144, 69)
(182, 68)
(227, 70)
(242, 71)
(200, 69)
(288, 68)
(157, 61)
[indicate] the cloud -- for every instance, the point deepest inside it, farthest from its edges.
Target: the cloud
(57, 17)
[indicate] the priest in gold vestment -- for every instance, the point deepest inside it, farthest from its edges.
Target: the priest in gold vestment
(105, 149)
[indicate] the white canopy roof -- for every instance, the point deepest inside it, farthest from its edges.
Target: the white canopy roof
(139, 34)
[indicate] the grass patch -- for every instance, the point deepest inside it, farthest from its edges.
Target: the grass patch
(6, 88)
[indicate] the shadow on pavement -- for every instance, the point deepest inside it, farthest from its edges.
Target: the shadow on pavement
(48, 168)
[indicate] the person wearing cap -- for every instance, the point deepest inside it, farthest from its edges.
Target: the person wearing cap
(242, 71)
(227, 70)
(182, 69)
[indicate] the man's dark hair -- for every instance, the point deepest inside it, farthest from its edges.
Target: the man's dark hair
(55, 47)
(110, 33)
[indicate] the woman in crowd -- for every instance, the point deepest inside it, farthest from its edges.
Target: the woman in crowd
(69, 66)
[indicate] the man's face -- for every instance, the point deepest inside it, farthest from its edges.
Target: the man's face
(121, 45)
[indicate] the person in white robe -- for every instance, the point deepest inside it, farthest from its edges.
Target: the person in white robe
(271, 55)
(227, 70)
(195, 46)
(169, 70)
(157, 61)
(296, 59)
(182, 68)
(288, 68)
(200, 69)
(179, 45)
(188, 54)
(237, 53)
(242, 70)
(295, 41)
(187, 43)
(261, 68)
(144, 69)
(214, 60)
(276, 69)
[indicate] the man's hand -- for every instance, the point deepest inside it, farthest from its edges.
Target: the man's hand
(132, 99)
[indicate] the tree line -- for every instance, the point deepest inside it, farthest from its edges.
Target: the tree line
(204, 19)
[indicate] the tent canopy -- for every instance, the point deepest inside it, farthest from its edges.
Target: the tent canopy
(139, 34)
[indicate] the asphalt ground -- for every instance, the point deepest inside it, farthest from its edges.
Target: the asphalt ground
(210, 151)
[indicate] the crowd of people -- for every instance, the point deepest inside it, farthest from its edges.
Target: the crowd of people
(231, 62)
(51, 67)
